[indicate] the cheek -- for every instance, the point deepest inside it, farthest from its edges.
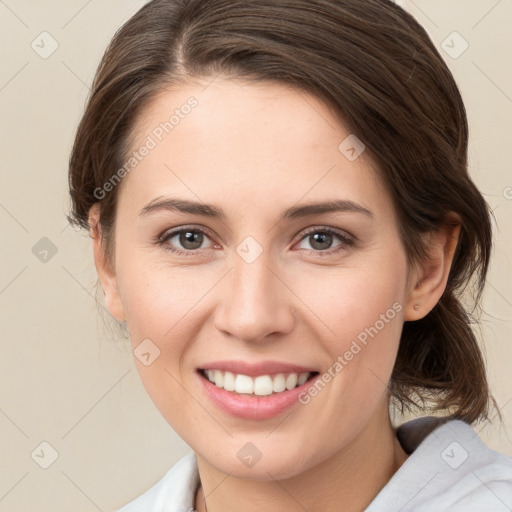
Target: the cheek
(364, 313)
(157, 299)
(351, 300)
(159, 307)
(359, 314)
(165, 305)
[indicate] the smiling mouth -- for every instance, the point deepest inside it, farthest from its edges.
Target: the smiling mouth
(262, 385)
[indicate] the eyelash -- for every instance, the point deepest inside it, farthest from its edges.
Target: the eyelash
(347, 240)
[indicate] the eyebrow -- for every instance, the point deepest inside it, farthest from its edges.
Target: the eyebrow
(207, 210)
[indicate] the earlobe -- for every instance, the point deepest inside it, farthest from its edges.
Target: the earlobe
(105, 268)
(431, 276)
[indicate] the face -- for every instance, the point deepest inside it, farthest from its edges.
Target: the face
(259, 283)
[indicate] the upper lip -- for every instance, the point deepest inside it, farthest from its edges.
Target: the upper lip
(255, 369)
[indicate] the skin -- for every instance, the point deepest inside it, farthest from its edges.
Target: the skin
(255, 149)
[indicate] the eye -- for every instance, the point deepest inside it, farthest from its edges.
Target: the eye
(188, 241)
(184, 241)
(321, 240)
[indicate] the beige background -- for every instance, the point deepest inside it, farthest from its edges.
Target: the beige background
(64, 379)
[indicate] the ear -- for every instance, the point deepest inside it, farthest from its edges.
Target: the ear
(429, 277)
(104, 268)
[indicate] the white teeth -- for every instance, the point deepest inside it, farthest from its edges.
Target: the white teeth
(263, 385)
(218, 377)
(279, 383)
(229, 381)
(291, 381)
(244, 384)
(303, 377)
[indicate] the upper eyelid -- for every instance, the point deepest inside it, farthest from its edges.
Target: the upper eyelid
(175, 231)
(336, 231)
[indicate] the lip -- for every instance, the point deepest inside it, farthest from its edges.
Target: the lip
(256, 369)
(251, 407)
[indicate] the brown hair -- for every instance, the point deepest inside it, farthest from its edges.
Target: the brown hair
(376, 67)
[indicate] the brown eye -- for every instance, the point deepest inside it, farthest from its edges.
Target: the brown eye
(186, 241)
(321, 240)
(190, 239)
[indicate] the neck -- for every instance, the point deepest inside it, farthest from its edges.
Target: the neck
(351, 477)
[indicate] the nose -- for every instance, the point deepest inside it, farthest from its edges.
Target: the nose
(254, 302)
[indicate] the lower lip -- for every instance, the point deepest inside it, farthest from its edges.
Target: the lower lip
(254, 407)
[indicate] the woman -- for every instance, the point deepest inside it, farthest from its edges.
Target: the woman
(280, 208)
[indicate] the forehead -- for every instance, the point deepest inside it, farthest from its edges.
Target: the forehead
(263, 142)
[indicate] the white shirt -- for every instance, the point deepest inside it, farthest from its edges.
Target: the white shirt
(449, 468)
